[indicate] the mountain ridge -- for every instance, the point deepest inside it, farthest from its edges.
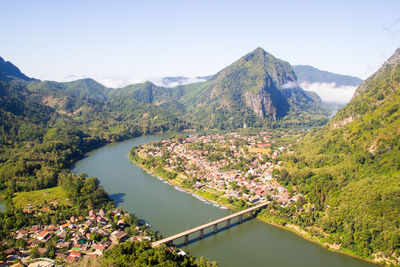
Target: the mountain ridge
(348, 170)
(307, 73)
(9, 72)
(256, 90)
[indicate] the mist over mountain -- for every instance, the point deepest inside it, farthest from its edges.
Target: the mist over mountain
(331, 87)
(178, 80)
(257, 90)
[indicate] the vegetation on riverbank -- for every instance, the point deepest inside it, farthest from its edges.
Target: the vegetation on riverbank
(142, 254)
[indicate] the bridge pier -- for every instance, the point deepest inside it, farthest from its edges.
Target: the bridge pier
(215, 228)
(240, 218)
(228, 223)
(201, 233)
(251, 214)
(186, 239)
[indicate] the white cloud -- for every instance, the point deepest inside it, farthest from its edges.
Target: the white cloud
(290, 85)
(71, 78)
(112, 81)
(117, 81)
(170, 84)
(329, 92)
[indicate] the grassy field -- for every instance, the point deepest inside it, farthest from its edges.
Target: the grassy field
(265, 151)
(40, 197)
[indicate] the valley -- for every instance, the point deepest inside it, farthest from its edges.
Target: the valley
(334, 183)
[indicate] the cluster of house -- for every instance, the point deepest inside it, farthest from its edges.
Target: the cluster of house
(76, 238)
(251, 181)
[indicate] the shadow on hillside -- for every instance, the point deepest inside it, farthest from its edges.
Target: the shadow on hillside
(118, 198)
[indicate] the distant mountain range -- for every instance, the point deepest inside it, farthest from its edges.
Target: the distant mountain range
(257, 90)
(331, 87)
(304, 74)
(310, 74)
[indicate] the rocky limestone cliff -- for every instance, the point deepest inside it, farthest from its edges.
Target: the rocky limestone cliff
(261, 104)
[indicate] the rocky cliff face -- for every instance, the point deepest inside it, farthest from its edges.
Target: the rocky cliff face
(261, 104)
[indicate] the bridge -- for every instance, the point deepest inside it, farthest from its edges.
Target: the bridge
(215, 223)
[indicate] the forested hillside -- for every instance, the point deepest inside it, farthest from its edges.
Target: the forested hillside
(349, 170)
(47, 126)
(45, 129)
(258, 90)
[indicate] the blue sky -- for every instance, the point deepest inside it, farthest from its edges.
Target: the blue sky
(137, 40)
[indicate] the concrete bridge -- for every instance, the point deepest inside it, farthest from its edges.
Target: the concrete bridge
(215, 223)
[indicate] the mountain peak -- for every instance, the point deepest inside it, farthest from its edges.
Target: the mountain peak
(257, 87)
(259, 53)
(259, 50)
(9, 71)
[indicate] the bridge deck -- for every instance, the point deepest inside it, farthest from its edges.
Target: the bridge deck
(206, 225)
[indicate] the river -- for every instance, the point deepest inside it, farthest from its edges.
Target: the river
(252, 243)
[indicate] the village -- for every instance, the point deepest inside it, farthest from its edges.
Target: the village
(234, 165)
(78, 238)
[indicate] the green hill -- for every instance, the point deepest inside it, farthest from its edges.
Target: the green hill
(349, 170)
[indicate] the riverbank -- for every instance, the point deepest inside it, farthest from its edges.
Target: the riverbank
(264, 216)
(173, 182)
